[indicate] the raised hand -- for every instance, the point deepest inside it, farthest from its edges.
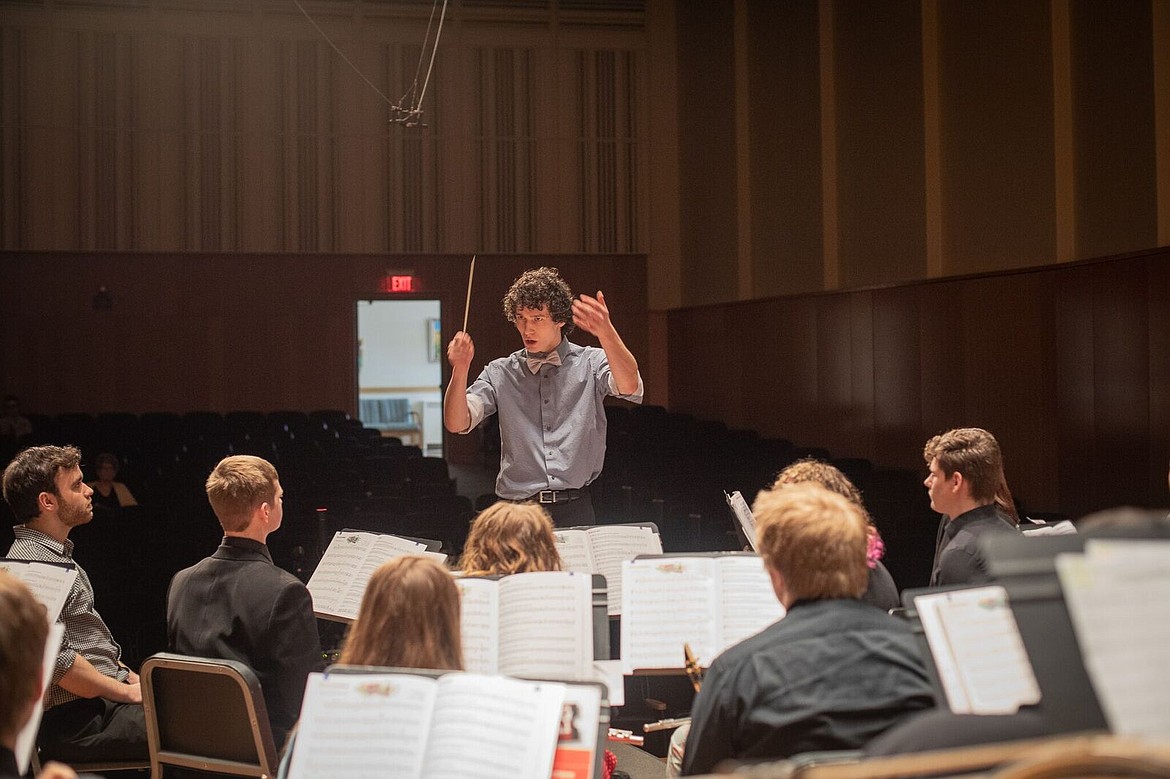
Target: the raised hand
(460, 351)
(592, 315)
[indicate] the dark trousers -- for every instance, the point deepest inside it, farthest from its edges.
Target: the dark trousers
(573, 513)
(93, 730)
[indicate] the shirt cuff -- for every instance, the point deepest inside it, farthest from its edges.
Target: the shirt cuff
(635, 396)
(475, 412)
(65, 659)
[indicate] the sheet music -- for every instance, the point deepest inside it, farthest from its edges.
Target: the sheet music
(546, 625)
(479, 623)
(1118, 596)
(748, 602)
(574, 549)
(26, 739)
(50, 584)
(603, 549)
(359, 726)
(666, 602)
(614, 545)
(978, 651)
(492, 728)
(743, 515)
(340, 579)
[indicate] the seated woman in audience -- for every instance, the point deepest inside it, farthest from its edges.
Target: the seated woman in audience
(881, 591)
(408, 618)
(109, 496)
(510, 538)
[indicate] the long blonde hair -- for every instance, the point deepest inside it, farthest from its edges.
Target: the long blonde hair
(510, 538)
(409, 618)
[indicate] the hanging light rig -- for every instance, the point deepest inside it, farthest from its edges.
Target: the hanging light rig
(408, 110)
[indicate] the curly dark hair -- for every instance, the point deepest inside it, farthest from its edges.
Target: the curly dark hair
(537, 288)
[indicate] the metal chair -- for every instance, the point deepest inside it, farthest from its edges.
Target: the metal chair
(206, 714)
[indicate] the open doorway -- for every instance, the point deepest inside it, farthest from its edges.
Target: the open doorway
(400, 371)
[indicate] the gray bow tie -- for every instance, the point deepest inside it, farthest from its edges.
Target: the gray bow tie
(535, 361)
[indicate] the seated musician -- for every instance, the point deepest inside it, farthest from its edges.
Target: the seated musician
(834, 672)
(408, 618)
(880, 589)
(509, 538)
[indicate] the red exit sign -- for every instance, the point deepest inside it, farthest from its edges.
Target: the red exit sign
(398, 283)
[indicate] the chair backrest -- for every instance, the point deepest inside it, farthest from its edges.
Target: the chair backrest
(206, 714)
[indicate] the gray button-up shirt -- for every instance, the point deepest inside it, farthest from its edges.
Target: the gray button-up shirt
(552, 423)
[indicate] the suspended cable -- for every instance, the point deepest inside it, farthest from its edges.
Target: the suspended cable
(402, 112)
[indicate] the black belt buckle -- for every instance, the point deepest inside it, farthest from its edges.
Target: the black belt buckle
(546, 496)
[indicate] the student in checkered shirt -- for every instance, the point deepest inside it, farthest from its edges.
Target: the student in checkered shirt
(93, 708)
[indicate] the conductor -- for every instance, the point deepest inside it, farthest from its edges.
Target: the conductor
(549, 395)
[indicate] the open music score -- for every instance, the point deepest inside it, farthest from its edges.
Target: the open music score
(602, 549)
(529, 624)
(404, 725)
(978, 651)
(1118, 596)
(728, 597)
(49, 583)
(340, 579)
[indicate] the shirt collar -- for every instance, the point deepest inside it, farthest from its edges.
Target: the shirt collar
(562, 351)
(247, 545)
(977, 514)
(64, 549)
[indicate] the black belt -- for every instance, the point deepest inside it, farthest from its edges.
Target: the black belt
(559, 496)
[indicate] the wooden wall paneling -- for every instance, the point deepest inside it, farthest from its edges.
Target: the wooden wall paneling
(1113, 115)
(553, 94)
(122, 190)
(943, 381)
(56, 177)
(1075, 367)
(164, 223)
(301, 164)
(1158, 301)
(1006, 377)
(568, 189)
(347, 131)
(708, 391)
(1121, 378)
(880, 163)
(899, 383)
(458, 193)
(328, 197)
(861, 373)
(259, 144)
(706, 152)
(92, 77)
(144, 127)
(11, 158)
(996, 127)
(833, 409)
(793, 349)
(785, 132)
(663, 161)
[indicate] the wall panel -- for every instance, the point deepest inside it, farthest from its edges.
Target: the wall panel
(880, 142)
(996, 126)
(785, 135)
(706, 119)
(1113, 119)
(1065, 365)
